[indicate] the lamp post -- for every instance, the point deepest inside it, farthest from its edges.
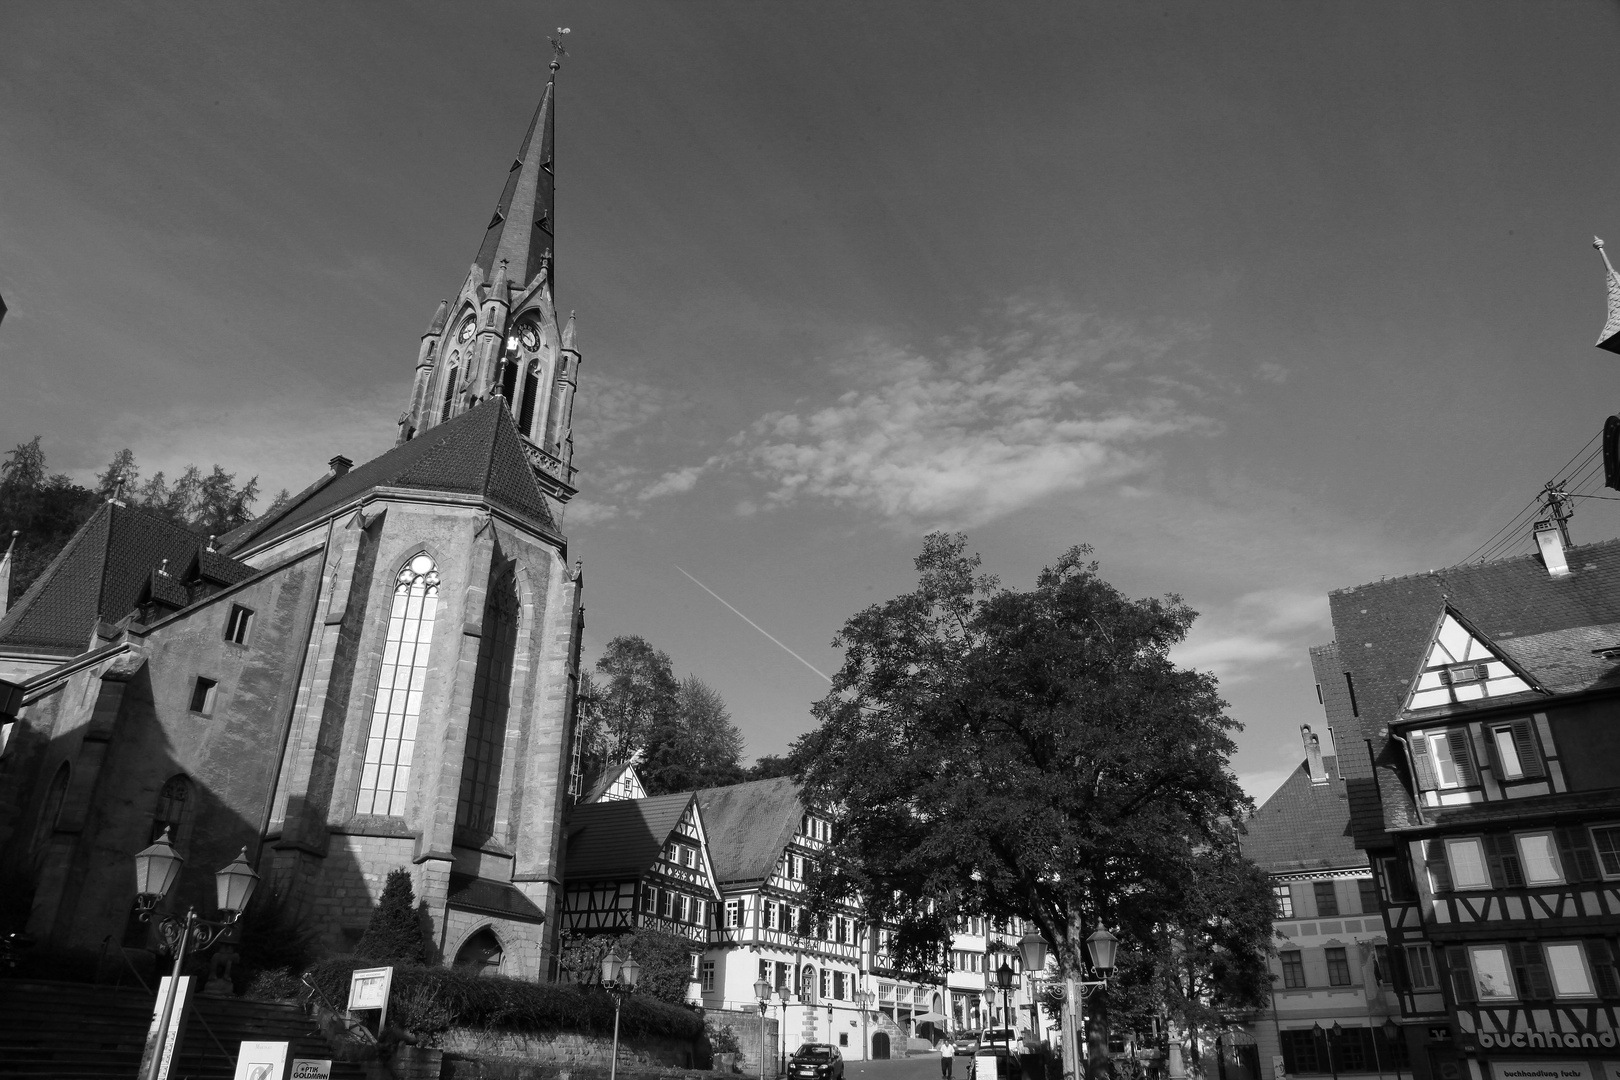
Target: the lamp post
(864, 1000)
(1102, 947)
(1392, 1031)
(157, 868)
(762, 990)
(783, 995)
(619, 978)
(1005, 979)
(1327, 1037)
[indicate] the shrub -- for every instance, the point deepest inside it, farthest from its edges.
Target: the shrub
(722, 1040)
(271, 939)
(277, 984)
(505, 1004)
(395, 931)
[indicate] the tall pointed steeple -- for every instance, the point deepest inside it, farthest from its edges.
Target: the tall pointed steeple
(5, 574)
(521, 229)
(501, 335)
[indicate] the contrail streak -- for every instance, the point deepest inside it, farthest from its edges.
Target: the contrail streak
(758, 627)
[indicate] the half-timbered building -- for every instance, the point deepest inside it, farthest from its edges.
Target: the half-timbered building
(1482, 764)
(635, 864)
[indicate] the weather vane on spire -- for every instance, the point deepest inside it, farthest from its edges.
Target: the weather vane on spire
(557, 50)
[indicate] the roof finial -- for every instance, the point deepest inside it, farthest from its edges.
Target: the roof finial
(1610, 337)
(557, 50)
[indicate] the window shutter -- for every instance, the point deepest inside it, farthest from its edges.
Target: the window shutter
(1399, 976)
(1461, 756)
(1439, 869)
(1605, 980)
(1462, 976)
(1530, 970)
(1423, 763)
(1524, 740)
(1502, 852)
(1575, 852)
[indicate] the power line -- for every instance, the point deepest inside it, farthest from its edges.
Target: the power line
(1570, 480)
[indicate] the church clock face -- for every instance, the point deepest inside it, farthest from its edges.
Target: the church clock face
(530, 337)
(466, 332)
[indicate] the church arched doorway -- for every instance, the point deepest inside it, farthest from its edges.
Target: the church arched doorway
(880, 1046)
(481, 952)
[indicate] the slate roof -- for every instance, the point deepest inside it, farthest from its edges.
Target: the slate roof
(620, 840)
(498, 898)
(1303, 826)
(1548, 626)
(478, 452)
(749, 825)
(102, 573)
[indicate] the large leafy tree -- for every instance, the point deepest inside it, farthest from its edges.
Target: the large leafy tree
(1032, 754)
(678, 733)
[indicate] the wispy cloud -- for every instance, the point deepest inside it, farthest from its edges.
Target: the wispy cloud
(974, 430)
(1257, 628)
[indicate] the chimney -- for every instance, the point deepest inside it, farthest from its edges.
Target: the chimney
(340, 465)
(1550, 539)
(1313, 755)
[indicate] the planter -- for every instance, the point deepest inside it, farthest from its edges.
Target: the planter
(418, 1063)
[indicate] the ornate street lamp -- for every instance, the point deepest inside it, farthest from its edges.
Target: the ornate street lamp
(157, 868)
(1032, 951)
(864, 1000)
(1103, 948)
(619, 978)
(1338, 1029)
(762, 990)
(784, 995)
(1392, 1032)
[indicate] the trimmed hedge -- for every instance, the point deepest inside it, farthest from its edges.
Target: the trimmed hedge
(499, 1003)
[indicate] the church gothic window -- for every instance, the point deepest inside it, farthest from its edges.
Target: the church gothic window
(392, 739)
(531, 389)
(486, 726)
(449, 389)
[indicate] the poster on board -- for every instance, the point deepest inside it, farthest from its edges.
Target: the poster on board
(178, 1014)
(311, 1069)
(261, 1061)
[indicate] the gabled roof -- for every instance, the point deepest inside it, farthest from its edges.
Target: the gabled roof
(1547, 626)
(612, 775)
(620, 840)
(102, 574)
(476, 453)
(1303, 826)
(498, 898)
(749, 827)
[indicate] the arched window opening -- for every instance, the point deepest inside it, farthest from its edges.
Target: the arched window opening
(531, 390)
(481, 952)
(554, 411)
(50, 811)
(509, 376)
(491, 698)
(449, 390)
(807, 984)
(173, 804)
(386, 774)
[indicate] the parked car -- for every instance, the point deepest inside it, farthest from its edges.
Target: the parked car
(816, 1061)
(967, 1044)
(1004, 1039)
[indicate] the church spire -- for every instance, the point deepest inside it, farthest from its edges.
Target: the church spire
(5, 574)
(1610, 337)
(520, 230)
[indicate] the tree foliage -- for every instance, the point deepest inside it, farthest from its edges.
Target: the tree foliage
(665, 959)
(45, 510)
(395, 931)
(1033, 754)
(679, 734)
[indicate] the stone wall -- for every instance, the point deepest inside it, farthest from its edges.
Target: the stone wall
(746, 1025)
(570, 1051)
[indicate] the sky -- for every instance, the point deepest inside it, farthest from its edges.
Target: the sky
(1259, 300)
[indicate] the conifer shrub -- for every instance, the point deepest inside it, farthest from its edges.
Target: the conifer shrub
(394, 934)
(499, 1003)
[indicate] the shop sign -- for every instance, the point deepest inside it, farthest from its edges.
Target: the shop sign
(1541, 1070)
(1567, 1040)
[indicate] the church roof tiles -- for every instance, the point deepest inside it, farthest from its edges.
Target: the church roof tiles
(476, 453)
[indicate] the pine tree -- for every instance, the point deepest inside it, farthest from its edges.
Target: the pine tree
(395, 931)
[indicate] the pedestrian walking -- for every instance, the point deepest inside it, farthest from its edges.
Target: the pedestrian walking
(947, 1052)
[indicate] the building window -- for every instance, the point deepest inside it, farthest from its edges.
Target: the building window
(697, 912)
(449, 392)
(733, 914)
(1466, 858)
(1293, 965)
(708, 976)
(1302, 1052)
(491, 697)
(682, 908)
(202, 695)
(1566, 962)
(1282, 901)
(666, 901)
(1367, 895)
(386, 775)
(1327, 899)
(1516, 755)
(1420, 968)
(689, 857)
(173, 803)
(1381, 965)
(237, 626)
(694, 959)
(649, 899)
(826, 983)
(1606, 839)
(1538, 855)
(1493, 979)
(1338, 967)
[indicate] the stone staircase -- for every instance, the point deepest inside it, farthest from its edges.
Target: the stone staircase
(52, 1029)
